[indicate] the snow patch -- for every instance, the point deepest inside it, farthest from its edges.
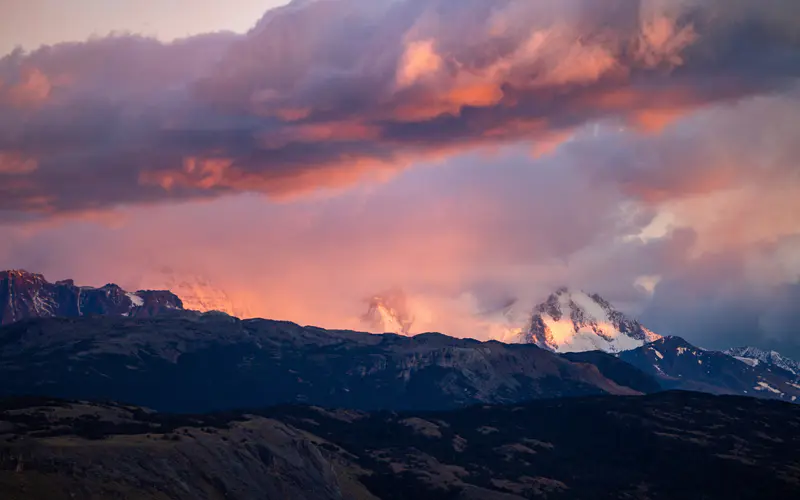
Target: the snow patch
(682, 350)
(566, 339)
(763, 386)
(765, 357)
(592, 308)
(748, 361)
(599, 334)
(658, 353)
(137, 301)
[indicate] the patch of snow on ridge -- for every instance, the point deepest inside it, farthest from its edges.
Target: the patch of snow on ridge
(771, 358)
(748, 361)
(763, 386)
(591, 308)
(137, 301)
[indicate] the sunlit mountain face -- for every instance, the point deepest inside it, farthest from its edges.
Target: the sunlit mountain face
(476, 155)
(575, 321)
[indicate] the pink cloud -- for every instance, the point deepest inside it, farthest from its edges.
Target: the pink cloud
(127, 120)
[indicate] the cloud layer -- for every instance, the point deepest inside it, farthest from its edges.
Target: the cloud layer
(716, 263)
(322, 94)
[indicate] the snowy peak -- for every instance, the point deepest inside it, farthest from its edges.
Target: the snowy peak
(25, 295)
(680, 365)
(570, 321)
(754, 356)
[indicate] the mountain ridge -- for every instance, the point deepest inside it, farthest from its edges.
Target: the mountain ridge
(753, 356)
(193, 362)
(57, 334)
(25, 295)
(678, 364)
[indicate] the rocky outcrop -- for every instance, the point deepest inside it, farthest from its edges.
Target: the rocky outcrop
(25, 295)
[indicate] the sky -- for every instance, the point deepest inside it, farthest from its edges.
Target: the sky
(30, 24)
(308, 157)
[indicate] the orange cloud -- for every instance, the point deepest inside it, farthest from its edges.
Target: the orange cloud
(420, 60)
(662, 42)
(338, 131)
(656, 120)
(33, 89)
(264, 112)
(16, 163)
(223, 174)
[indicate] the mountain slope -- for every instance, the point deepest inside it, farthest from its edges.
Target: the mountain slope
(615, 369)
(188, 362)
(664, 446)
(754, 356)
(678, 364)
(25, 295)
(570, 321)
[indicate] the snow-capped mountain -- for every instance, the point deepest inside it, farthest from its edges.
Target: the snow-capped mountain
(754, 356)
(25, 295)
(198, 293)
(574, 321)
(677, 364)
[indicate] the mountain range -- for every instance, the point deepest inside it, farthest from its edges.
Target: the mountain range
(25, 295)
(105, 343)
(754, 356)
(193, 362)
(577, 322)
(675, 363)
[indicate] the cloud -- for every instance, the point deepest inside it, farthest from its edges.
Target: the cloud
(14, 163)
(322, 95)
(32, 89)
(477, 239)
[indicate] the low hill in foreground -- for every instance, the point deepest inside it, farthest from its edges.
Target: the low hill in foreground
(663, 446)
